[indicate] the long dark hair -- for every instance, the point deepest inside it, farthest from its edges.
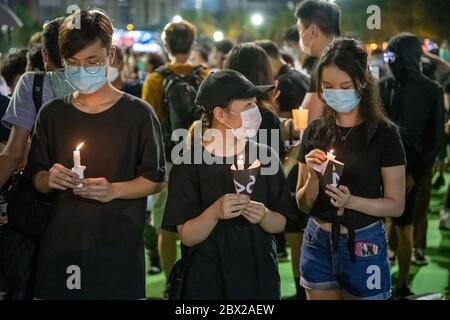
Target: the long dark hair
(252, 61)
(350, 56)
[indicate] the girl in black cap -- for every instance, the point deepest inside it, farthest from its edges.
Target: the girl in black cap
(227, 237)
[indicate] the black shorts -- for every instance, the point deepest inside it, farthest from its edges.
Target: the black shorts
(407, 217)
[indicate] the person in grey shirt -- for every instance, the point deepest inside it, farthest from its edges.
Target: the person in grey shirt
(21, 113)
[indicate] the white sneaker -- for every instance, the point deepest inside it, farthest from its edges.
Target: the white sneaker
(444, 222)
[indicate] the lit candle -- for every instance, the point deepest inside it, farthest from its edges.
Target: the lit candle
(330, 155)
(303, 123)
(240, 163)
(77, 167)
(300, 116)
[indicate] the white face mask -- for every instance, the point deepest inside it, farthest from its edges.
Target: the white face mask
(305, 49)
(113, 74)
(251, 120)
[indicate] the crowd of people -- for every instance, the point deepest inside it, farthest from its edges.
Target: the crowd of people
(91, 177)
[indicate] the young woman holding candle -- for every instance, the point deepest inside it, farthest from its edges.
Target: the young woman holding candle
(228, 237)
(344, 251)
(93, 246)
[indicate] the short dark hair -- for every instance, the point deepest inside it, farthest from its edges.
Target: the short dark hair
(94, 25)
(270, 48)
(50, 36)
(13, 65)
(203, 52)
(288, 59)
(224, 46)
(179, 37)
(292, 35)
(35, 59)
(155, 59)
(326, 15)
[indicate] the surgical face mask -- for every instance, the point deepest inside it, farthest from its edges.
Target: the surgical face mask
(306, 48)
(341, 100)
(113, 74)
(86, 80)
(251, 120)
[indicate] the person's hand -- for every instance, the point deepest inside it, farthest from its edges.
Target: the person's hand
(61, 178)
(232, 205)
(98, 189)
(410, 182)
(447, 127)
(340, 196)
(3, 219)
(315, 158)
(255, 212)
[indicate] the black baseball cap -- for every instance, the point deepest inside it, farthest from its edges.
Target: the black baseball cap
(223, 86)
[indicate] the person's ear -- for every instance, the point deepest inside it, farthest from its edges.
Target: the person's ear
(112, 55)
(45, 56)
(314, 30)
(219, 114)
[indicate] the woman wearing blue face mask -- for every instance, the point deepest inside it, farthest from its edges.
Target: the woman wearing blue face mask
(344, 251)
(93, 245)
(227, 238)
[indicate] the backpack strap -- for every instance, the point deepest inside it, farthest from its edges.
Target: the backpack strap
(38, 85)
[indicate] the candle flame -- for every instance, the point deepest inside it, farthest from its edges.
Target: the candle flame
(79, 146)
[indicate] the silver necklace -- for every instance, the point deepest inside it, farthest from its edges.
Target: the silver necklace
(343, 138)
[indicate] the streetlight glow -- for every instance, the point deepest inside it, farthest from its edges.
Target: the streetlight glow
(177, 19)
(218, 36)
(257, 19)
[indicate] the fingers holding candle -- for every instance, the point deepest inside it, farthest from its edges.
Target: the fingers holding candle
(61, 178)
(99, 189)
(340, 196)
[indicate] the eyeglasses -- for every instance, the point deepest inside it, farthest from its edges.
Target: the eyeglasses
(91, 68)
(389, 57)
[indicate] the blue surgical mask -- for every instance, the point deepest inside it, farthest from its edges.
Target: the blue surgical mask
(341, 100)
(86, 80)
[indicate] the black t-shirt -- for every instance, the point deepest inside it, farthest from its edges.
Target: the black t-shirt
(293, 86)
(313, 79)
(105, 240)
(363, 154)
(4, 131)
(238, 259)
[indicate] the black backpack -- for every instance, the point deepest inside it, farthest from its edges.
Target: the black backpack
(28, 213)
(179, 93)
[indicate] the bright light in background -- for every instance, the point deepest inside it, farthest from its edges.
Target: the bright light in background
(373, 46)
(130, 27)
(177, 19)
(257, 19)
(218, 36)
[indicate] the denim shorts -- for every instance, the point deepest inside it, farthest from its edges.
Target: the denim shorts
(367, 276)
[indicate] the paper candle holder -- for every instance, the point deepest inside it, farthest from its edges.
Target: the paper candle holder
(245, 179)
(330, 171)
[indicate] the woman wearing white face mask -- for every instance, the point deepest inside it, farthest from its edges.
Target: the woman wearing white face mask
(96, 224)
(344, 252)
(227, 237)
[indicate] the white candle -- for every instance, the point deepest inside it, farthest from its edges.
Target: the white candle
(240, 163)
(77, 167)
